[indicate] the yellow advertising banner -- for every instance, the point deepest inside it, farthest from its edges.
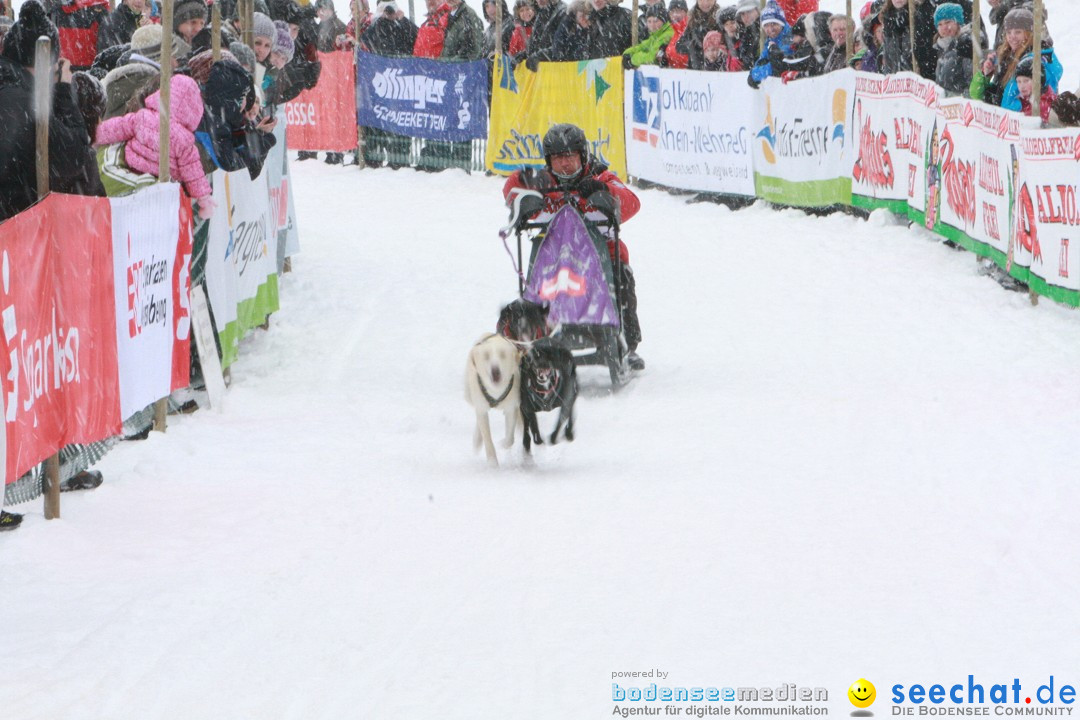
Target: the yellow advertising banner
(524, 104)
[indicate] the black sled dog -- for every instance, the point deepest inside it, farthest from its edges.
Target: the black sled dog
(548, 381)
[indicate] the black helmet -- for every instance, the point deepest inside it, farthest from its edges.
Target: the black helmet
(563, 138)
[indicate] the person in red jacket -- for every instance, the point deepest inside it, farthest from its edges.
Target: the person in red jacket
(795, 9)
(573, 176)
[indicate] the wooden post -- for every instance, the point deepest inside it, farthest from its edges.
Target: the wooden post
(161, 407)
(249, 23)
(911, 34)
(849, 32)
(215, 29)
(761, 28)
(976, 35)
(634, 24)
(499, 29)
(1036, 63)
(412, 12)
(359, 128)
(43, 77)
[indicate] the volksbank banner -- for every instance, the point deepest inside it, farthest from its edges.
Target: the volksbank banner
(803, 141)
(690, 130)
(423, 98)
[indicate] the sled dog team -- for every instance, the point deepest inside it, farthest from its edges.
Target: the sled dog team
(520, 370)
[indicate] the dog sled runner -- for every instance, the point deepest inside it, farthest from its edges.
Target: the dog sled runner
(571, 271)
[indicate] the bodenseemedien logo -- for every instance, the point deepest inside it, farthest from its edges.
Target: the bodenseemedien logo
(862, 695)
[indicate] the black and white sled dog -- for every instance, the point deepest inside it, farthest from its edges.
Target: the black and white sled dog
(492, 382)
(548, 382)
(523, 321)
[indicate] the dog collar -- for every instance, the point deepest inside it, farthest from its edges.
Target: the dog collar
(493, 402)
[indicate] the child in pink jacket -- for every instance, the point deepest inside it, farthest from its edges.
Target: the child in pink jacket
(141, 131)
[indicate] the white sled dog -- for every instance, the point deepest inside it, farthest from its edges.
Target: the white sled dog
(492, 382)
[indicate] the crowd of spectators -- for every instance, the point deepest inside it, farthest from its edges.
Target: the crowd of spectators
(104, 122)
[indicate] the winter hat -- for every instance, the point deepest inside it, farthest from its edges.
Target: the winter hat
(90, 97)
(1067, 107)
(678, 5)
(283, 42)
(948, 11)
(244, 55)
(185, 10)
(655, 11)
(747, 6)
(324, 5)
(20, 39)
(857, 57)
(107, 59)
(1026, 68)
(264, 26)
(146, 41)
(1020, 19)
(713, 39)
(727, 14)
(772, 15)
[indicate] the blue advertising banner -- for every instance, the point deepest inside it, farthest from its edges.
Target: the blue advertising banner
(423, 98)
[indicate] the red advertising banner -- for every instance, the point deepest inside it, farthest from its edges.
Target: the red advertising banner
(324, 118)
(58, 361)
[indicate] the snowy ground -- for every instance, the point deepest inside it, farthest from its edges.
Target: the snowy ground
(850, 456)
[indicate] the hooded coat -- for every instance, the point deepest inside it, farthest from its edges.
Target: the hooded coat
(770, 63)
(117, 28)
(464, 35)
(548, 21)
(613, 31)
(896, 50)
(72, 167)
(955, 67)
(141, 131)
(692, 42)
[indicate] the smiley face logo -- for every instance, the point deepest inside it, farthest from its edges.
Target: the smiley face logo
(862, 693)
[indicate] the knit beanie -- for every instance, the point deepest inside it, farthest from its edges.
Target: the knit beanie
(1026, 68)
(1020, 19)
(146, 41)
(264, 26)
(20, 40)
(949, 11)
(107, 59)
(283, 42)
(772, 15)
(747, 6)
(1067, 107)
(186, 10)
(244, 55)
(678, 5)
(727, 14)
(90, 98)
(655, 11)
(713, 39)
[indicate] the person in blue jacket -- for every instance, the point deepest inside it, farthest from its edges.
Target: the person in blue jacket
(777, 45)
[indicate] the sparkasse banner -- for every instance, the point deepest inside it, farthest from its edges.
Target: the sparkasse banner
(324, 117)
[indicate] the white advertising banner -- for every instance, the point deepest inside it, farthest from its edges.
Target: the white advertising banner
(691, 130)
(893, 121)
(973, 175)
(282, 208)
(241, 260)
(1046, 231)
(151, 264)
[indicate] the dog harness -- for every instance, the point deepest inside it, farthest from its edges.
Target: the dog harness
(493, 402)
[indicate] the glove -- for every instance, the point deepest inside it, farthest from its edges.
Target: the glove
(588, 187)
(627, 63)
(206, 206)
(789, 75)
(604, 201)
(532, 64)
(537, 178)
(776, 59)
(530, 205)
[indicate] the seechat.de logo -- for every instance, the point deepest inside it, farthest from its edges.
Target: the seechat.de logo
(862, 694)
